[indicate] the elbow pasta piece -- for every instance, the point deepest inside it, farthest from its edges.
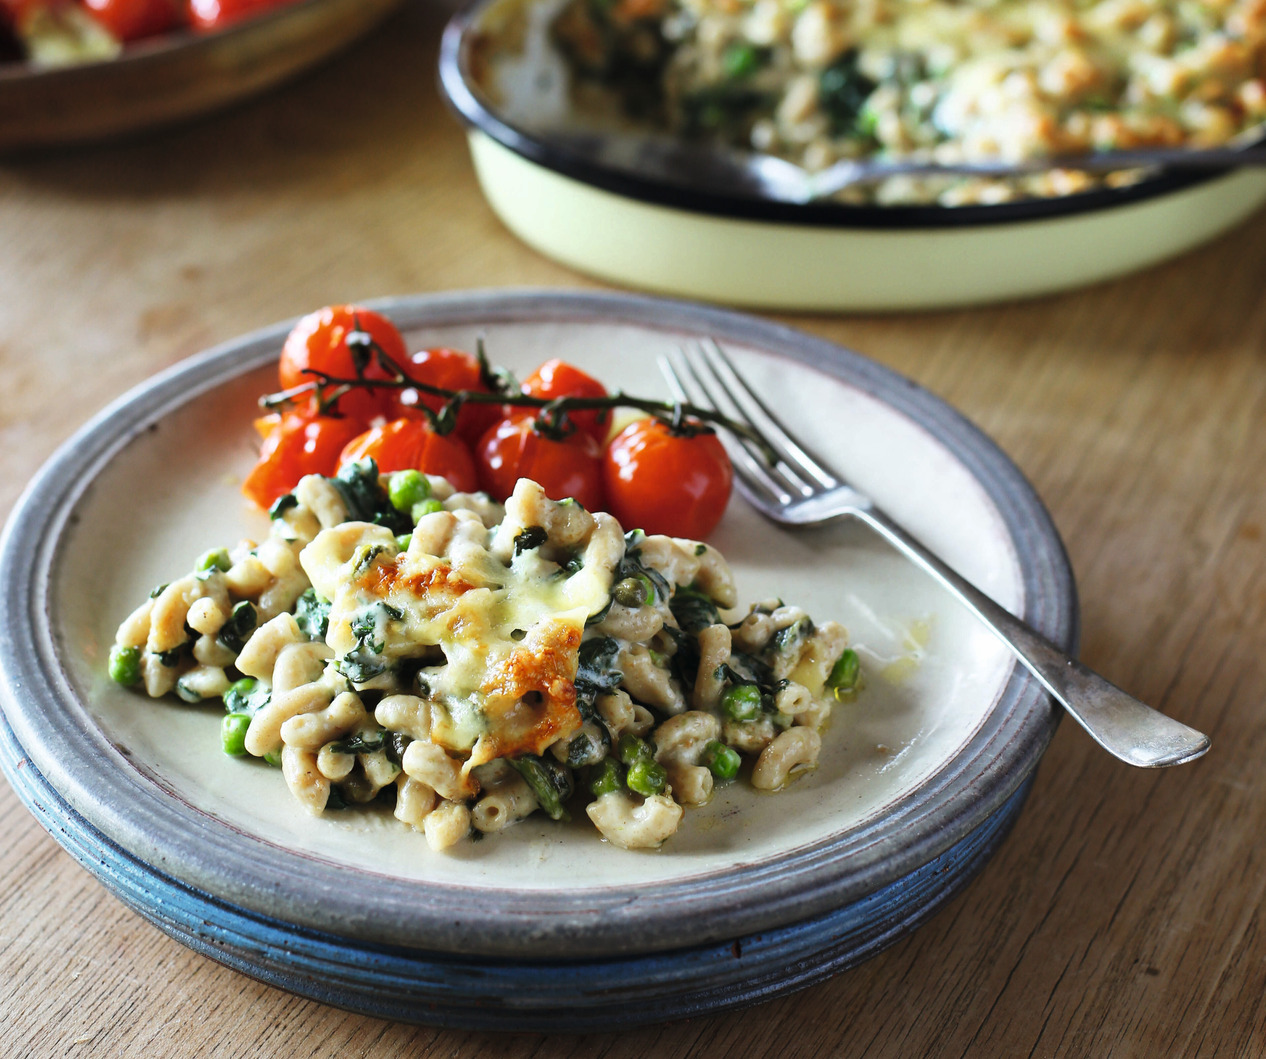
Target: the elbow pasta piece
(247, 577)
(298, 664)
(207, 615)
(322, 499)
(680, 740)
(260, 652)
(167, 618)
(414, 800)
(430, 763)
(405, 713)
(208, 651)
(333, 764)
(793, 749)
(311, 731)
(281, 595)
(264, 734)
(134, 630)
(675, 559)
(204, 682)
(504, 801)
(635, 624)
(714, 649)
(690, 785)
(379, 769)
(630, 824)
(158, 679)
(616, 711)
(446, 824)
(304, 779)
(648, 682)
(751, 737)
(432, 533)
(715, 578)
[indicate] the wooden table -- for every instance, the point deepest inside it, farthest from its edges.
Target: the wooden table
(1121, 917)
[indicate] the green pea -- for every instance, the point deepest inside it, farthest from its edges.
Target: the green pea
(233, 733)
(403, 541)
(844, 674)
(125, 665)
(217, 559)
(741, 702)
(423, 508)
(408, 488)
(631, 749)
(721, 760)
(607, 779)
(646, 777)
(273, 758)
(740, 61)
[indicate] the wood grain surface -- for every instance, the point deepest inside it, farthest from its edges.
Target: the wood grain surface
(1121, 917)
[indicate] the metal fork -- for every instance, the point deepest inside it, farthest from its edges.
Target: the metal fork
(797, 490)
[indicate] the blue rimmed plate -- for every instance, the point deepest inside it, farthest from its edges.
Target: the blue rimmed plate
(545, 925)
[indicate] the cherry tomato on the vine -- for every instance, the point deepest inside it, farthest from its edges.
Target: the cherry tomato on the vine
(132, 19)
(214, 14)
(411, 444)
(319, 341)
(557, 378)
(295, 444)
(513, 449)
(663, 482)
(449, 369)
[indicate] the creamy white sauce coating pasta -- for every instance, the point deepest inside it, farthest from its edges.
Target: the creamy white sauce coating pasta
(492, 663)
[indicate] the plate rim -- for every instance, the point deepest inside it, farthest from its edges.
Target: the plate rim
(208, 855)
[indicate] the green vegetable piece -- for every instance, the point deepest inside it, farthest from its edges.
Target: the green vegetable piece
(408, 488)
(741, 60)
(423, 508)
(403, 541)
(282, 504)
(246, 696)
(233, 733)
(530, 538)
(312, 615)
(646, 777)
(237, 630)
(636, 591)
(185, 693)
(741, 702)
(631, 749)
(844, 674)
(550, 782)
(125, 665)
(608, 779)
(218, 559)
(273, 758)
(721, 760)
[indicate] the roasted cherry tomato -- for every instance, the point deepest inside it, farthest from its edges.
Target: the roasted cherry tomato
(513, 449)
(132, 19)
(557, 378)
(319, 341)
(214, 14)
(449, 369)
(411, 444)
(667, 483)
(296, 444)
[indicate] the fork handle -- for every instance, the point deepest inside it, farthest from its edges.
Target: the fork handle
(1118, 722)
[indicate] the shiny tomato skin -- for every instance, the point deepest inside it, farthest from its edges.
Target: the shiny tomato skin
(133, 19)
(296, 444)
(411, 444)
(449, 369)
(557, 378)
(667, 483)
(319, 341)
(216, 14)
(512, 449)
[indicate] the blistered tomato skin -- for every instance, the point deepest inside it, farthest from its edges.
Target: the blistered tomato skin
(448, 369)
(296, 444)
(129, 20)
(410, 444)
(663, 482)
(319, 341)
(556, 378)
(513, 449)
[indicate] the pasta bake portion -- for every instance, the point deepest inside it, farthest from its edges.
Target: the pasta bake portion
(816, 81)
(475, 663)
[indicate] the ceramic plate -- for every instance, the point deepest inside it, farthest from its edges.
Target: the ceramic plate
(919, 776)
(660, 235)
(178, 75)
